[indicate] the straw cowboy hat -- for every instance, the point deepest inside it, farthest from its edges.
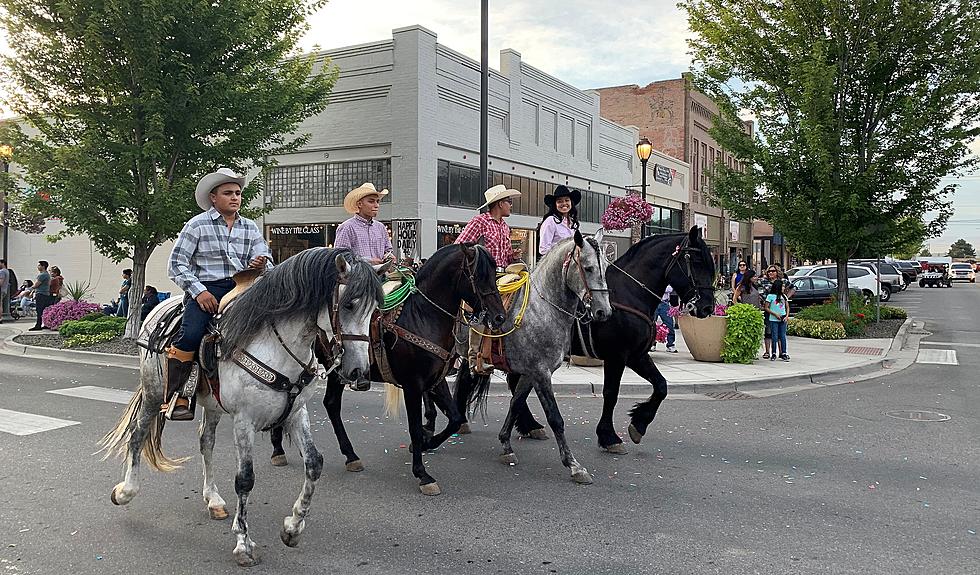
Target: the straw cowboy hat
(563, 192)
(497, 193)
(212, 181)
(355, 195)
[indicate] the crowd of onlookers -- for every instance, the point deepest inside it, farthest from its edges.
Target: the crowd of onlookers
(771, 294)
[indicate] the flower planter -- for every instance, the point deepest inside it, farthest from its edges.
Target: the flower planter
(584, 361)
(704, 337)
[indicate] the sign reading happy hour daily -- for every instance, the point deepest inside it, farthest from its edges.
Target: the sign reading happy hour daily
(406, 236)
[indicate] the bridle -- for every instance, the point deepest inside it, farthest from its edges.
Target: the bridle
(334, 346)
(682, 251)
(469, 269)
(586, 296)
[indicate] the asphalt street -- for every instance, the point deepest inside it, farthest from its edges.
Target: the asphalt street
(823, 481)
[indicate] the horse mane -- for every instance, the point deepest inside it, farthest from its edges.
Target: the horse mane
(486, 269)
(300, 286)
(636, 250)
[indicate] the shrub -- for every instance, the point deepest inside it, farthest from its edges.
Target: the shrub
(64, 311)
(111, 325)
(744, 335)
(95, 315)
(889, 312)
(824, 329)
(85, 340)
(825, 312)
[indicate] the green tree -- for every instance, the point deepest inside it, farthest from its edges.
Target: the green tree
(853, 103)
(961, 249)
(925, 253)
(127, 103)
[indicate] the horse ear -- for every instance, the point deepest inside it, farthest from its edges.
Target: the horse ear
(343, 266)
(599, 236)
(579, 241)
(384, 267)
(695, 234)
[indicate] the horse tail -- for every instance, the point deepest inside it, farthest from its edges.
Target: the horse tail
(476, 387)
(118, 441)
(394, 397)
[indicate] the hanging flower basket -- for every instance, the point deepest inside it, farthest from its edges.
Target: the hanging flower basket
(625, 212)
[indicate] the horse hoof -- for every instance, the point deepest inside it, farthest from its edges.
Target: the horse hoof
(508, 459)
(582, 477)
(279, 460)
(430, 489)
(464, 429)
(635, 435)
(218, 513)
(355, 466)
(246, 559)
(289, 539)
(616, 449)
(539, 434)
(112, 497)
(118, 499)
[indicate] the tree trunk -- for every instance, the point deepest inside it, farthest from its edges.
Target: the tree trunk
(843, 297)
(136, 283)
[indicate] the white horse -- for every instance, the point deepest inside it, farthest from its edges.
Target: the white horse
(320, 293)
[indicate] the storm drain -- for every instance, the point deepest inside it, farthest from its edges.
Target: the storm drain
(728, 395)
(857, 350)
(916, 415)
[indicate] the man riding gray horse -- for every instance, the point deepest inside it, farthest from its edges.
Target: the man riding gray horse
(212, 247)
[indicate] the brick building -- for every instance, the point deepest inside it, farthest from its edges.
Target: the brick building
(676, 119)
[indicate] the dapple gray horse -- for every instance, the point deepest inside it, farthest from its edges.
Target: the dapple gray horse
(317, 293)
(574, 271)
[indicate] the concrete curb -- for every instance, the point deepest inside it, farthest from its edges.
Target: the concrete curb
(901, 354)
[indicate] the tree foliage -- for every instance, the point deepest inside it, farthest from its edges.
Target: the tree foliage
(925, 253)
(862, 108)
(127, 103)
(961, 249)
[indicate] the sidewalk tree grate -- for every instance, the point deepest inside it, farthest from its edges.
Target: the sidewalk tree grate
(725, 395)
(864, 350)
(917, 415)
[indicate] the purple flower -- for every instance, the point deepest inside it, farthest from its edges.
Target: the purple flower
(720, 309)
(61, 312)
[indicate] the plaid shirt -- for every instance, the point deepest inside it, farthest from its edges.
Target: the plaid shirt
(368, 239)
(496, 234)
(206, 250)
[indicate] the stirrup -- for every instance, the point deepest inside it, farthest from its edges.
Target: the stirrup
(168, 408)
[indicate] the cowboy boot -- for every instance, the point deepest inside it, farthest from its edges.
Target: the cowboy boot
(179, 366)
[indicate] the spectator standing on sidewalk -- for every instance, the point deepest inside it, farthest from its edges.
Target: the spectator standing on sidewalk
(738, 275)
(151, 298)
(663, 312)
(4, 289)
(42, 293)
(778, 311)
(123, 309)
(57, 283)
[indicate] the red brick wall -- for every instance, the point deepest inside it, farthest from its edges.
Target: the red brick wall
(657, 110)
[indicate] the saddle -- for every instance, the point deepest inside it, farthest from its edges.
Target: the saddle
(490, 353)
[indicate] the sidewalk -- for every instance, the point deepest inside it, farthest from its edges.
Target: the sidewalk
(814, 363)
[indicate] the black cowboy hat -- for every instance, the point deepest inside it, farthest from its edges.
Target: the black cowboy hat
(563, 192)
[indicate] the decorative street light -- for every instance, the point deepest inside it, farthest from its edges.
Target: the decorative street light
(6, 152)
(643, 150)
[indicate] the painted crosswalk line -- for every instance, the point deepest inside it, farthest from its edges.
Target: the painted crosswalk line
(19, 423)
(96, 393)
(937, 356)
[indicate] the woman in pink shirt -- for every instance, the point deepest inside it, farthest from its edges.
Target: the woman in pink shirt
(562, 218)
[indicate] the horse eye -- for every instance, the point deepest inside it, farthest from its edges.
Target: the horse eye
(351, 305)
(590, 269)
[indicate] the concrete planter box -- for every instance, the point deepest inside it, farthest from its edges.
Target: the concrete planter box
(704, 337)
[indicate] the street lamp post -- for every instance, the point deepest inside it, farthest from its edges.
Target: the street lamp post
(6, 151)
(643, 150)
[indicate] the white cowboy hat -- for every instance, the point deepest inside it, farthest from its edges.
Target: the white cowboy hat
(497, 193)
(212, 181)
(355, 195)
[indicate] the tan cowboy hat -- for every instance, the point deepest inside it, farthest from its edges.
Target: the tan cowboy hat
(355, 195)
(497, 193)
(212, 181)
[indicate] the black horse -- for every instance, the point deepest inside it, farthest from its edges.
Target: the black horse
(637, 281)
(464, 272)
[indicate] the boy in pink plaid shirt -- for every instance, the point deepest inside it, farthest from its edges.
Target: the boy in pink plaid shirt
(363, 234)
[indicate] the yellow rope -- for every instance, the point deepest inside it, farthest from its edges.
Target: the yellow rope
(507, 289)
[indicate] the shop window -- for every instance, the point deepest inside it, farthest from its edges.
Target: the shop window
(312, 185)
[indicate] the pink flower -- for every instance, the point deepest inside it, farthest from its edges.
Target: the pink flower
(674, 311)
(61, 312)
(626, 211)
(720, 309)
(662, 333)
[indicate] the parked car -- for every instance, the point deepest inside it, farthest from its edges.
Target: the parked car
(890, 276)
(815, 290)
(857, 276)
(962, 272)
(910, 271)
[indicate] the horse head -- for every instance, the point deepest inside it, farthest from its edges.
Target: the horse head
(690, 270)
(480, 291)
(589, 283)
(358, 296)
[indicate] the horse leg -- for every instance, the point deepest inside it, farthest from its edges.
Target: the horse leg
(521, 391)
(441, 396)
(643, 413)
(293, 525)
(546, 395)
(413, 406)
(527, 426)
(244, 551)
(278, 453)
(430, 412)
(139, 428)
(464, 386)
(216, 505)
(332, 402)
(609, 440)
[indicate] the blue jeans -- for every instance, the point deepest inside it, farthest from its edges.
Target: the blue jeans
(778, 336)
(662, 310)
(123, 309)
(195, 322)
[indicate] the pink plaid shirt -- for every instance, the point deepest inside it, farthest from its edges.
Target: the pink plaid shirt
(496, 235)
(366, 239)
